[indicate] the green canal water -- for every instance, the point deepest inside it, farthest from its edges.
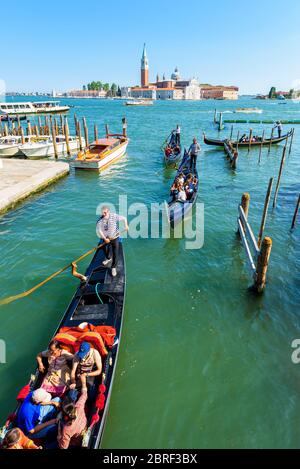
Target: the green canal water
(203, 362)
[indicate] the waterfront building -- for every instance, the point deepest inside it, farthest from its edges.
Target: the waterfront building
(175, 87)
(87, 94)
(219, 92)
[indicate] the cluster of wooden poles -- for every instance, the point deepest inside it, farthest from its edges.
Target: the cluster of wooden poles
(233, 152)
(49, 126)
(262, 247)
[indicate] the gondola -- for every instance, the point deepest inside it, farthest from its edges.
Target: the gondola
(177, 210)
(265, 142)
(97, 302)
(172, 159)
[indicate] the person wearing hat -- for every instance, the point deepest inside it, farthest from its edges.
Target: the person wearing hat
(86, 363)
(278, 126)
(107, 228)
(36, 414)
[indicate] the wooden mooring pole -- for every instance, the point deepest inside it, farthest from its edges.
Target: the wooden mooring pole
(262, 265)
(271, 140)
(79, 135)
(124, 124)
(231, 133)
(53, 128)
(66, 133)
(265, 213)
(292, 139)
(296, 213)
(245, 202)
(279, 177)
(95, 132)
(261, 146)
(86, 133)
(250, 140)
(215, 116)
(106, 130)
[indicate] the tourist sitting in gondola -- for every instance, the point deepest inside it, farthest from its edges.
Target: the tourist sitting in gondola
(243, 138)
(174, 190)
(58, 374)
(73, 422)
(181, 178)
(15, 439)
(181, 193)
(176, 150)
(87, 363)
(37, 414)
(189, 186)
(168, 151)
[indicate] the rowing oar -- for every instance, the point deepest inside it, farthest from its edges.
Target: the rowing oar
(9, 299)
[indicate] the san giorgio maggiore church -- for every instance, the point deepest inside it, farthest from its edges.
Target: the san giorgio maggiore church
(175, 87)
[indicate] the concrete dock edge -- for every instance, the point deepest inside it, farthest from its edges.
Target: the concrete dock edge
(20, 179)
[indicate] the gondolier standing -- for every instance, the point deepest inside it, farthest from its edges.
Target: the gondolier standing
(279, 127)
(108, 229)
(194, 150)
(177, 135)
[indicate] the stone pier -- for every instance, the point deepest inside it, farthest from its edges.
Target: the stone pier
(21, 178)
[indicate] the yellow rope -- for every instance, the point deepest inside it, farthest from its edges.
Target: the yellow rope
(9, 299)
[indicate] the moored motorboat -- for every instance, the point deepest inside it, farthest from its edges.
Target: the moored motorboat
(172, 151)
(139, 102)
(103, 152)
(43, 148)
(11, 145)
(249, 110)
(245, 143)
(177, 210)
(94, 315)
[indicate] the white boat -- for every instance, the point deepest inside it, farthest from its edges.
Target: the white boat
(45, 148)
(10, 146)
(139, 102)
(249, 110)
(27, 108)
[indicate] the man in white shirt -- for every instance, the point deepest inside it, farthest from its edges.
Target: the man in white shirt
(177, 135)
(108, 229)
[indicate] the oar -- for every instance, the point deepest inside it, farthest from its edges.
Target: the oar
(162, 145)
(9, 299)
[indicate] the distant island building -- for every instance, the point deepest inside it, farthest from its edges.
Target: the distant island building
(87, 94)
(175, 87)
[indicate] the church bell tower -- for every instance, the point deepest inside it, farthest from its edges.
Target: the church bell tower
(144, 69)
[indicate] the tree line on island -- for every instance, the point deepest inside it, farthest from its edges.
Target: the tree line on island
(111, 90)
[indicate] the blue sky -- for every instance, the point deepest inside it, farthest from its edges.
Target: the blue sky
(64, 44)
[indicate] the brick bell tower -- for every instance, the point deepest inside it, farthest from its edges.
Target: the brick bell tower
(144, 69)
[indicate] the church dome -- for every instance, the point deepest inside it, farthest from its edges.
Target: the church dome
(175, 75)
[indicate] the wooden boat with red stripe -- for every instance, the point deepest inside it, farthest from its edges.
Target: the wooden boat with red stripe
(103, 152)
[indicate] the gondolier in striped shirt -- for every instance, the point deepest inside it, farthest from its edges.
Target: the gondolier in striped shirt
(108, 229)
(194, 150)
